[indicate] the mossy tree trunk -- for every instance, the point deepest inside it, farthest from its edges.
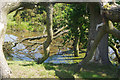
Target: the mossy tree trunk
(46, 45)
(76, 46)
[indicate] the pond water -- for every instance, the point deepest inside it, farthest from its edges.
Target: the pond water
(20, 52)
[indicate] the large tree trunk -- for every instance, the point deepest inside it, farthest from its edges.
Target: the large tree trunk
(101, 53)
(46, 45)
(4, 69)
(103, 47)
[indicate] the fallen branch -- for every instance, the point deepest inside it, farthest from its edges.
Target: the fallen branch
(33, 38)
(44, 36)
(61, 33)
(54, 37)
(59, 30)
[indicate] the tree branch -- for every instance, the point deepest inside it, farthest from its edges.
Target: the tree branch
(111, 29)
(44, 36)
(59, 30)
(116, 51)
(61, 33)
(98, 38)
(54, 37)
(33, 38)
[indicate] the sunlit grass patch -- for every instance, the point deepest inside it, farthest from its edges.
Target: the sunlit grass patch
(26, 69)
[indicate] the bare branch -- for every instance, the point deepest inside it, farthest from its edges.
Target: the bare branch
(33, 38)
(40, 37)
(59, 30)
(61, 33)
(18, 10)
(44, 36)
(34, 43)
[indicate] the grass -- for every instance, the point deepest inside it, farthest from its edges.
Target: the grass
(25, 69)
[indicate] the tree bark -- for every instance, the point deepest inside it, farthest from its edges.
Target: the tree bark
(98, 38)
(104, 58)
(76, 46)
(4, 69)
(95, 18)
(5, 8)
(102, 49)
(112, 30)
(46, 45)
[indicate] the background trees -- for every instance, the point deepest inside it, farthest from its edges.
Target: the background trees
(65, 15)
(68, 16)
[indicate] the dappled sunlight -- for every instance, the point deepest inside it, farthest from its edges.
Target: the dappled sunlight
(59, 40)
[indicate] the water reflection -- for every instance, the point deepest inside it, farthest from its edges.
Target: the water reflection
(21, 53)
(10, 38)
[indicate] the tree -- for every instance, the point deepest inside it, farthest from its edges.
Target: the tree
(4, 10)
(101, 53)
(78, 26)
(106, 28)
(46, 44)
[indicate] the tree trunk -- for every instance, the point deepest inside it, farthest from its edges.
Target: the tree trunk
(103, 47)
(46, 45)
(101, 53)
(76, 46)
(4, 69)
(112, 30)
(98, 38)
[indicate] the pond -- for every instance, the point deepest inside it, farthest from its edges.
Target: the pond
(20, 52)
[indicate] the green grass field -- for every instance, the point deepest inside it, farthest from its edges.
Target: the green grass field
(26, 69)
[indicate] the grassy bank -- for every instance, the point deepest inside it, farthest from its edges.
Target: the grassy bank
(25, 69)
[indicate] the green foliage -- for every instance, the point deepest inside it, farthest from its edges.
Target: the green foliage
(114, 41)
(29, 19)
(59, 15)
(73, 15)
(78, 22)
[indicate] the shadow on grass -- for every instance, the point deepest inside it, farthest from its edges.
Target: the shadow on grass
(26, 64)
(61, 70)
(10, 63)
(71, 59)
(91, 70)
